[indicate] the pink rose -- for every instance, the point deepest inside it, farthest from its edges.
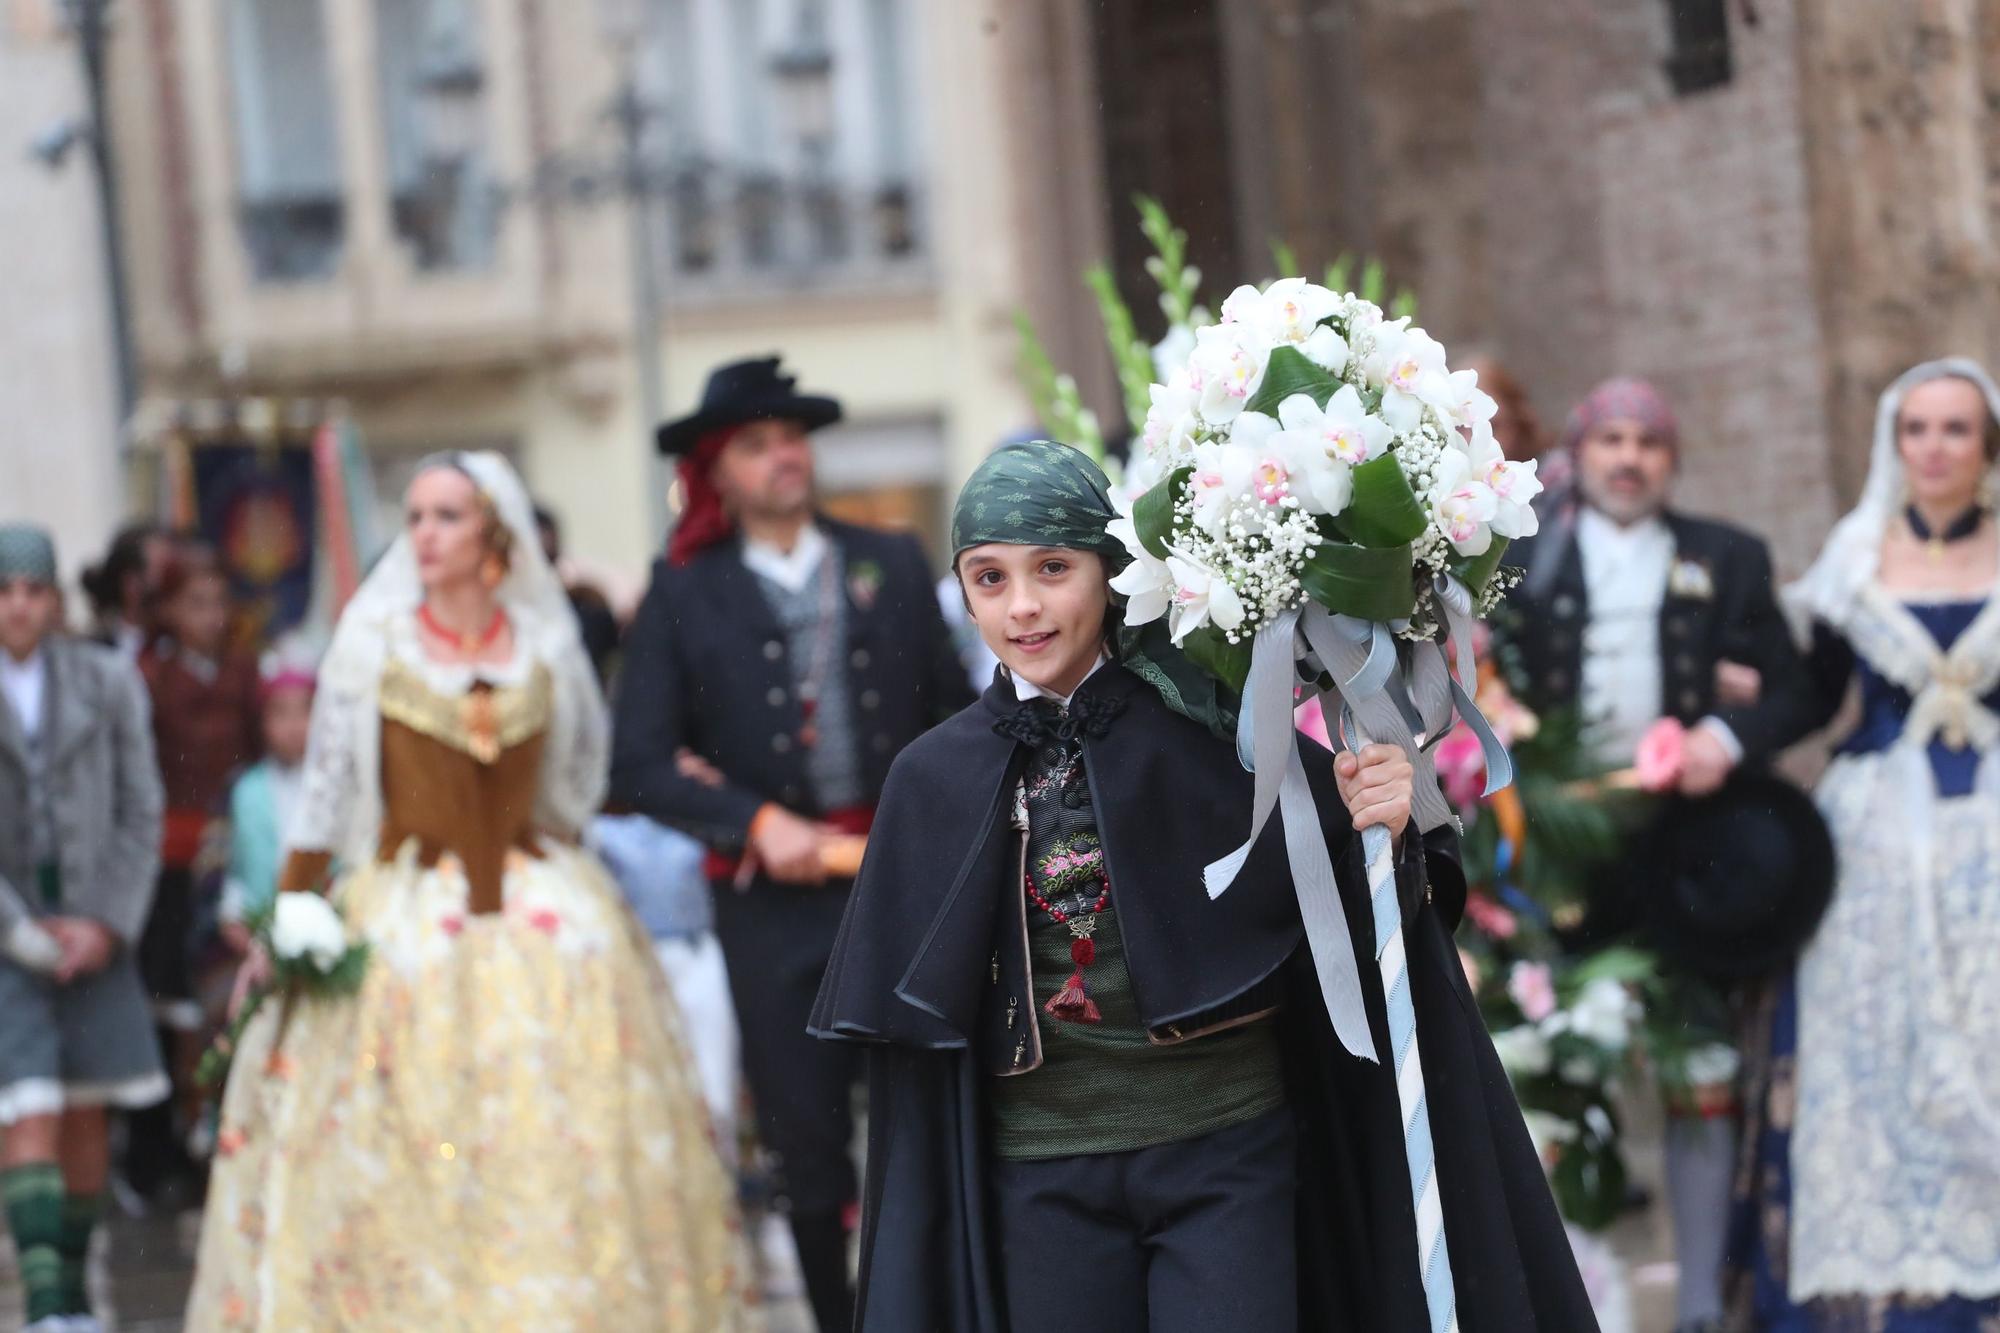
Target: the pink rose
(1461, 767)
(1532, 990)
(1661, 756)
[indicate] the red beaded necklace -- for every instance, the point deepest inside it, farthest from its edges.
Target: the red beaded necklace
(465, 643)
(1071, 1004)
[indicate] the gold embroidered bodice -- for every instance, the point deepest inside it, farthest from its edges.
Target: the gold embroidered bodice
(460, 772)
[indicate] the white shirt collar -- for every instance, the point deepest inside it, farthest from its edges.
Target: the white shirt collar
(1594, 528)
(25, 684)
(1025, 689)
(790, 570)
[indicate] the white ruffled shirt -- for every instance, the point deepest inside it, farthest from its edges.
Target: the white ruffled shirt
(26, 685)
(1025, 689)
(790, 570)
(1626, 569)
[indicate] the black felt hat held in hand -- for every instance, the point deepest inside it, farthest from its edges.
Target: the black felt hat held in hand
(1732, 886)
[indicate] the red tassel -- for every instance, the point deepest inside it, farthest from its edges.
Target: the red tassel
(1071, 1005)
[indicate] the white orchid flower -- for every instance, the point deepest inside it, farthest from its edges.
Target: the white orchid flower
(1171, 421)
(1327, 350)
(1464, 403)
(1292, 309)
(1462, 506)
(1170, 353)
(1222, 474)
(1413, 375)
(1514, 487)
(1327, 444)
(1146, 584)
(1201, 596)
(1227, 369)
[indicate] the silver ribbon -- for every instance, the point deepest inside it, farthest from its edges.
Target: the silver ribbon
(1377, 701)
(1264, 733)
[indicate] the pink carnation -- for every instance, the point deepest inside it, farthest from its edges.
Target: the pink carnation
(1533, 990)
(1662, 753)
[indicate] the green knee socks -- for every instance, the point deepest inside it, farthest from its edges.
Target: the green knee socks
(33, 1197)
(79, 1219)
(52, 1231)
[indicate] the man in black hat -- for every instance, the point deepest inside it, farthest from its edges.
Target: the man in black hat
(1630, 612)
(792, 656)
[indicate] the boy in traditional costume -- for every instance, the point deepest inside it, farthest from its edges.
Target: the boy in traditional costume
(80, 807)
(1098, 1099)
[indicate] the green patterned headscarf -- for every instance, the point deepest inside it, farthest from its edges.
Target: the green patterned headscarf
(26, 552)
(1040, 493)
(1037, 493)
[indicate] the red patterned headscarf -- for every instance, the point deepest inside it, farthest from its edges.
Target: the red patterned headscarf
(703, 521)
(1623, 399)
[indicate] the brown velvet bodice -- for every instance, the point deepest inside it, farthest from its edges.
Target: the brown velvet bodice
(459, 777)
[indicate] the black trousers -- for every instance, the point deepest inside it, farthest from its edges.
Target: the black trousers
(1188, 1237)
(777, 939)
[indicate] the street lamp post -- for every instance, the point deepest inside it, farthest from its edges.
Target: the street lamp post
(90, 22)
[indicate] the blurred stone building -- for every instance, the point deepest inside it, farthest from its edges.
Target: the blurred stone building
(1768, 206)
(58, 412)
(423, 208)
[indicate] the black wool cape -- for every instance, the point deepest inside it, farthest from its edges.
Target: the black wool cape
(927, 935)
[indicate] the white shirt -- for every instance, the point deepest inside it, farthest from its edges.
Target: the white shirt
(26, 684)
(790, 570)
(1625, 576)
(1025, 689)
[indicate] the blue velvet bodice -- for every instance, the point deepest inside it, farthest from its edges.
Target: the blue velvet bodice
(1885, 705)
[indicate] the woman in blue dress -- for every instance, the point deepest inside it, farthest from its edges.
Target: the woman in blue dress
(1876, 1178)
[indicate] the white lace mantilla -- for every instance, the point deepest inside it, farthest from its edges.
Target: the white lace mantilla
(1896, 1141)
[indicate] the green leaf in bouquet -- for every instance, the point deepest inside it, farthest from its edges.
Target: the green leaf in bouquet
(1369, 582)
(1384, 510)
(1589, 1181)
(1289, 372)
(1153, 512)
(1477, 571)
(1620, 963)
(1209, 649)
(1130, 356)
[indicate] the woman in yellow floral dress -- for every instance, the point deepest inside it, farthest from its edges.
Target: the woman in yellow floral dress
(501, 1129)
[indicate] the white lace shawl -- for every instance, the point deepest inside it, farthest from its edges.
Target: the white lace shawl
(340, 801)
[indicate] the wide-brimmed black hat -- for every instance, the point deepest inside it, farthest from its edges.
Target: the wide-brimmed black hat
(741, 391)
(1732, 886)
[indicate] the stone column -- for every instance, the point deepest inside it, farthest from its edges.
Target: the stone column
(1901, 163)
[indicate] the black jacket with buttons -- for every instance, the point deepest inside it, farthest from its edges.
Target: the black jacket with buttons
(706, 668)
(1720, 606)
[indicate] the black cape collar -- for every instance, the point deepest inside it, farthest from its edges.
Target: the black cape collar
(912, 963)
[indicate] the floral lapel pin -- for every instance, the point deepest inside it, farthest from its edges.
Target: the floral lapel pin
(864, 582)
(1691, 579)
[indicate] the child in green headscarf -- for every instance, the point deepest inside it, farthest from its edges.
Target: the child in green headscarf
(1100, 1100)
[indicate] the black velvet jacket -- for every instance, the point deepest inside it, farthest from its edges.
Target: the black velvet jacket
(707, 667)
(1722, 608)
(932, 946)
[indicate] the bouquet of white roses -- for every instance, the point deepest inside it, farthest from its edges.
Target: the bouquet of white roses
(1310, 448)
(309, 954)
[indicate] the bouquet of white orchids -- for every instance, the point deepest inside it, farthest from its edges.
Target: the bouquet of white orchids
(1308, 448)
(1320, 503)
